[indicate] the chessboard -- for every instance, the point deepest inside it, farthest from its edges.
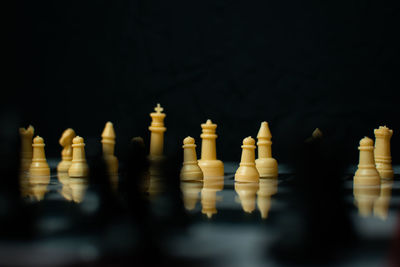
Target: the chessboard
(220, 222)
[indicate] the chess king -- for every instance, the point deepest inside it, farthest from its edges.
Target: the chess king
(157, 130)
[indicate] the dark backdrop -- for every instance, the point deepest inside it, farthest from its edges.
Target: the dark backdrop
(296, 64)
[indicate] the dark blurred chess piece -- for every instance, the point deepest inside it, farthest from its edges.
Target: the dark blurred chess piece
(108, 142)
(26, 147)
(319, 220)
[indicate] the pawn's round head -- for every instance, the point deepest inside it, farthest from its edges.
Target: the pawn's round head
(77, 140)
(38, 140)
(188, 140)
(249, 141)
(366, 141)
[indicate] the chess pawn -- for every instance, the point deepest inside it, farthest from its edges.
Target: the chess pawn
(190, 170)
(247, 195)
(66, 154)
(366, 173)
(209, 163)
(108, 142)
(247, 171)
(268, 188)
(190, 192)
(79, 167)
(383, 158)
(266, 165)
(39, 166)
(26, 147)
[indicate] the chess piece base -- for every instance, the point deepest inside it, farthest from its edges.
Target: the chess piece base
(211, 168)
(247, 174)
(267, 167)
(367, 177)
(385, 171)
(78, 170)
(63, 166)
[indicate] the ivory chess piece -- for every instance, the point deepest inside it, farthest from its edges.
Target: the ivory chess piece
(79, 167)
(39, 166)
(26, 147)
(190, 170)
(265, 164)
(157, 130)
(209, 163)
(108, 142)
(366, 173)
(247, 171)
(247, 195)
(383, 158)
(66, 154)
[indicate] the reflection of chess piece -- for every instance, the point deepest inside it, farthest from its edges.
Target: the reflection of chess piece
(268, 188)
(381, 206)
(39, 166)
(157, 130)
(209, 163)
(247, 171)
(79, 167)
(78, 188)
(366, 173)
(140, 163)
(211, 185)
(365, 196)
(26, 147)
(190, 192)
(247, 195)
(66, 154)
(38, 189)
(190, 170)
(266, 165)
(383, 158)
(66, 189)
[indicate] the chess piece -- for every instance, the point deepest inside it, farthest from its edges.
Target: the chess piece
(268, 188)
(190, 170)
(39, 166)
(247, 195)
(157, 130)
(26, 147)
(79, 167)
(211, 185)
(266, 165)
(366, 173)
(247, 171)
(190, 193)
(66, 154)
(383, 158)
(209, 163)
(108, 142)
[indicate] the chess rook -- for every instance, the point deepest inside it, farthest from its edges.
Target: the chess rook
(79, 167)
(209, 163)
(157, 130)
(39, 166)
(66, 154)
(366, 173)
(383, 158)
(247, 171)
(108, 144)
(26, 147)
(265, 164)
(190, 170)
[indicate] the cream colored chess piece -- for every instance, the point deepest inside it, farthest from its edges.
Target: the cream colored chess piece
(266, 165)
(108, 142)
(211, 185)
(26, 147)
(268, 188)
(190, 193)
(247, 171)
(247, 195)
(383, 158)
(366, 173)
(190, 170)
(39, 166)
(79, 167)
(209, 163)
(157, 130)
(66, 154)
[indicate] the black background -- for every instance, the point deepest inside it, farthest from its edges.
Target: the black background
(296, 64)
